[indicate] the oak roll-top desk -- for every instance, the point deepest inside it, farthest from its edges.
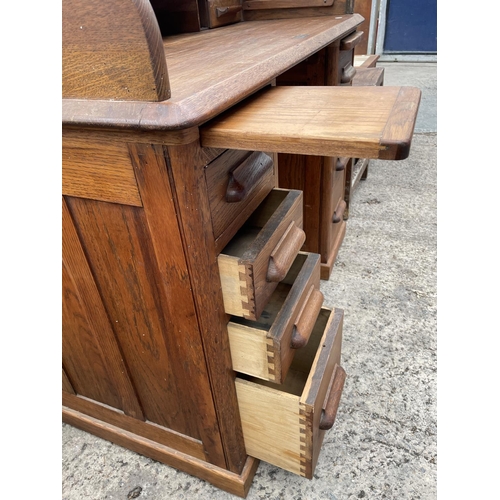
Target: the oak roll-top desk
(194, 330)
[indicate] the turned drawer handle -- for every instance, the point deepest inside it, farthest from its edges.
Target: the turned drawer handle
(223, 11)
(338, 215)
(348, 73)
(306, 319)
(341, 164)
(333, 399)
(349, 42)
(284, 253)
(243, 178)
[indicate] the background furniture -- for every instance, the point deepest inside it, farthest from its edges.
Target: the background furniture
(367, 74)
(193, 326)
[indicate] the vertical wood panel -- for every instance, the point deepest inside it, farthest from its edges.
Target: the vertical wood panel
(115, 239)
(178, 289)
(304, 173)
(90, 353)
(66, 384)
(193, 207)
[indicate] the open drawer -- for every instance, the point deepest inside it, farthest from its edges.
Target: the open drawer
(265, 348)
(358, 122)
(285, 424)
(261, 253)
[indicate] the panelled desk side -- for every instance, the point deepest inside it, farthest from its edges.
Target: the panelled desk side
(146, 348)
(141, 285)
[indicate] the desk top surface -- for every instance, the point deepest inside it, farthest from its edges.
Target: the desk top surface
(212, 70)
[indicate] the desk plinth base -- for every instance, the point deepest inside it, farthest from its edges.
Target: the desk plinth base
(225, 480)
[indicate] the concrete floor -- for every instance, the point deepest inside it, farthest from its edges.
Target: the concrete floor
(383, 443)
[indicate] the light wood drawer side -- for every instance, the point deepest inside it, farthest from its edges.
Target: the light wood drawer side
(261, 253)
(266, 348)
(281, 423)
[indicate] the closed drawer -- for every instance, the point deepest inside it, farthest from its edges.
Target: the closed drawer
(237, 182)
(347, 71)
(285, 424)
(333, 227)
(265, 348)
(261, 253)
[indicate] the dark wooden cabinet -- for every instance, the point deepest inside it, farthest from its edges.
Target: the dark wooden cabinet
(188, 307)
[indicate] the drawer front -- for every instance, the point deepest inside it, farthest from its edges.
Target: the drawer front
(222, 12)
(346, 71)
(261, 253)
(265, 348)
(237, 182)
(331, 227)
(285, 424)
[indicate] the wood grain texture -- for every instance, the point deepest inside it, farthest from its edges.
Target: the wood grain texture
(339, 7)
(398, 132)
(271, 427)
(236, 484)
(98, 169)
(249, 352)
(203, 83)
(244, 262)
(153, 331)
(365, 77)
(304, 173)
(92, 358)
(333, 192)
(149, 430)
(351, 41)
(363, 122)
(327, 266)
(66, 384)
(250, 176)
(365, 61)
(281, 422)
(263, 348)
(101, 134)
(112, 50)
(193, 211)
(177, 295)
(223, 12)
(316, 389)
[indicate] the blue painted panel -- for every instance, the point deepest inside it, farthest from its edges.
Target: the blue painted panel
(411, 26)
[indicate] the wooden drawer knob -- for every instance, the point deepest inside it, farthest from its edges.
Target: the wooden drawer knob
(349, 42)
(244, 177)
(341, 164)
(307, 318)
(332, 400)
(283, 255)
(348, 73)
(223, 11)
(338, 215)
